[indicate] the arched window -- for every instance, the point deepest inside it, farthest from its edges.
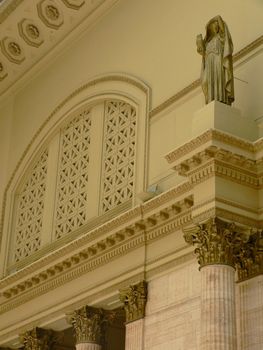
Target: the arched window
(89, 169)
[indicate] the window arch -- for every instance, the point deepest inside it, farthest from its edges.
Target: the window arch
(90, 167)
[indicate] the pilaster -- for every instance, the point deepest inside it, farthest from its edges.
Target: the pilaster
(134, 299)
(249, 260)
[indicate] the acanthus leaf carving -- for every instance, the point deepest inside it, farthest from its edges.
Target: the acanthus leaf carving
(250, 257)
(217, 241)
(38, 339)
(134, 299)
(89, 324)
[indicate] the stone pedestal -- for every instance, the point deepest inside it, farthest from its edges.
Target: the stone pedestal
(217, 115)
(218, 317)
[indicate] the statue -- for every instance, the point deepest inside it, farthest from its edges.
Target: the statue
(217, 66)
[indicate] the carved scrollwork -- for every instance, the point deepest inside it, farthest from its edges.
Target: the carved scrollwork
(38, 339)
(217, 241)
(134, 299)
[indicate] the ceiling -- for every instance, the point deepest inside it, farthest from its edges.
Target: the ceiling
(35, 31)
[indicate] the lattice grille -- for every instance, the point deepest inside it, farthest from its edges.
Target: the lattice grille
(118, 154)
(30, 206)
(71, 203)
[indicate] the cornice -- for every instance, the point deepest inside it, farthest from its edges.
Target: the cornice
(196, 83)
(209, 136)
(217, 161)
(38, 279)
(121, 222)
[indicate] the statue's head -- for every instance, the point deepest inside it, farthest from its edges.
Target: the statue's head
(214, 27)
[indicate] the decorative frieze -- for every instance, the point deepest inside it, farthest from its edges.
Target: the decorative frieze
(38, 339)
(218, 242)
(50, 13)
(89, 324)
(134, 299)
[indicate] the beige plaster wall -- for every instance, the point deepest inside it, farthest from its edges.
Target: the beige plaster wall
(154, 41)
(6, 112)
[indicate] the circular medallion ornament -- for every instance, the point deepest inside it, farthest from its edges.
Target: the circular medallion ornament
(30, 32)
(12, 49)
(50, 13)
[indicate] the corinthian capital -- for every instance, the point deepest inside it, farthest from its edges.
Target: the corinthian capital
(217, 241)
(250, 257)
(38, 339)
(134, 298)
(88, 324)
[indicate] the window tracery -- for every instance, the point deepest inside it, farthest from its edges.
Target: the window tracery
(29, 215)
(73, 174)
(118, 154)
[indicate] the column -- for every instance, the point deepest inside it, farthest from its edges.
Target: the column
(134, 299)
(88, 324)
(250, 293)
(217, 243)
(38, 339)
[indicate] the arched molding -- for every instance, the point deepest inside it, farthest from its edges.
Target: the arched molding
(112, 86)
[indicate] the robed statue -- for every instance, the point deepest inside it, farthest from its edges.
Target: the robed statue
(217, 65)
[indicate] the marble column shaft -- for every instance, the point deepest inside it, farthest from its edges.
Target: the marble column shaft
(218, 316)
